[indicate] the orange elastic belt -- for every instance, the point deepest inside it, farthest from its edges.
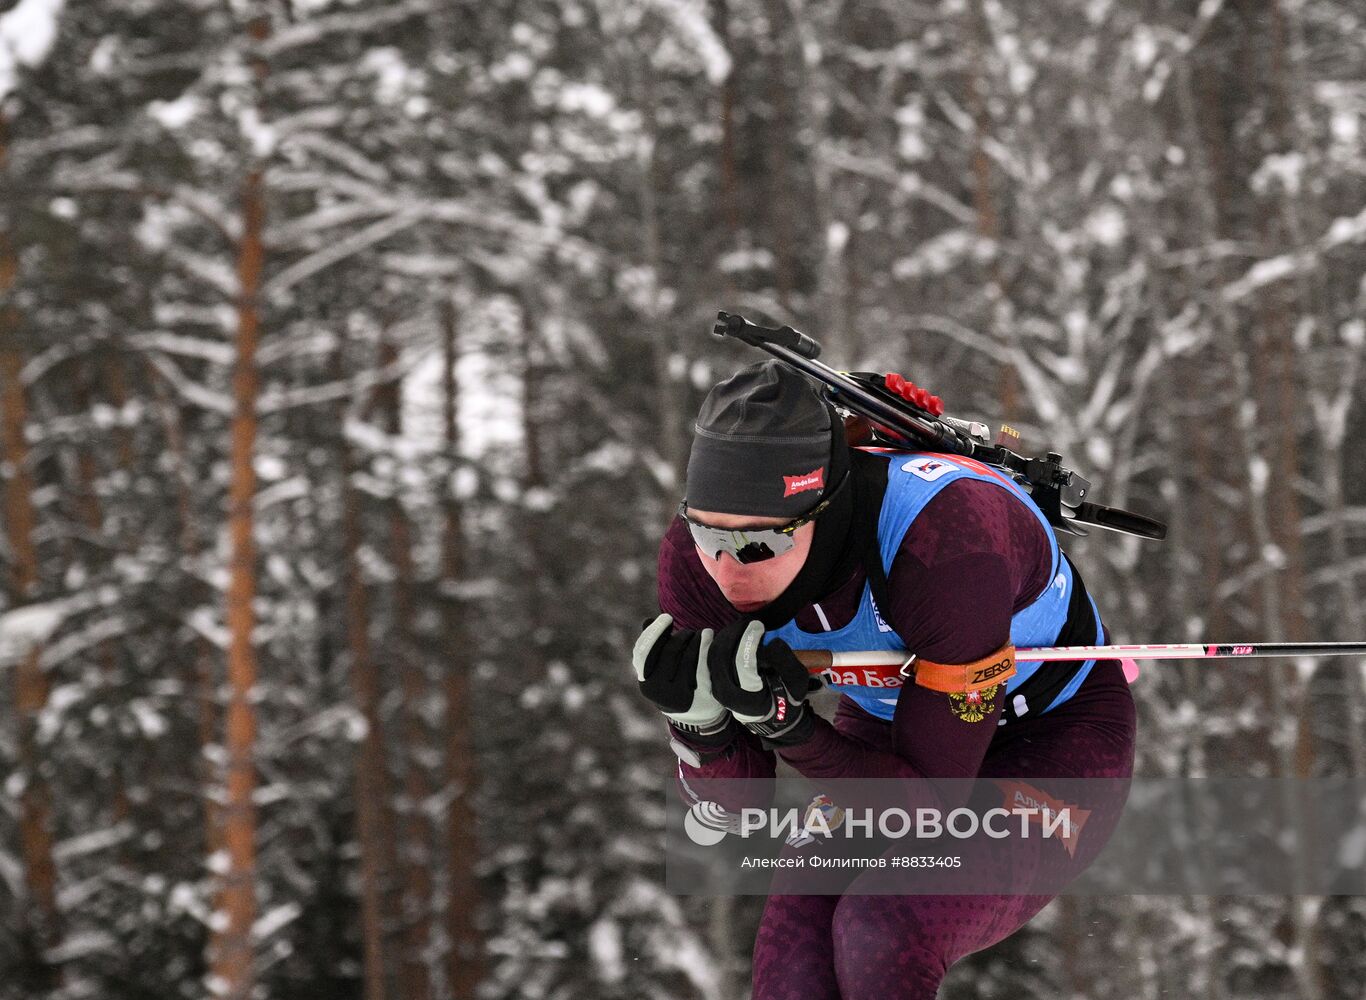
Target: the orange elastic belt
(964, 678)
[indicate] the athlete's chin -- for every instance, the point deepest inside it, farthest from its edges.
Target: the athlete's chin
(746, 606)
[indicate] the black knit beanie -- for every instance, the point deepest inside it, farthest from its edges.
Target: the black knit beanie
(764, 445)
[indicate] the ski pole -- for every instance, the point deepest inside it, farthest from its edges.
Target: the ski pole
(892, 663)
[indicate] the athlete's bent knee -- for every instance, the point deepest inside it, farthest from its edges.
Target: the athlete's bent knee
(882, 951)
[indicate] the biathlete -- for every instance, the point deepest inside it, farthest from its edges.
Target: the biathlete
(791, 539)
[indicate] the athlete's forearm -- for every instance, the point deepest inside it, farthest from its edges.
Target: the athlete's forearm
(726, 775)
(741, 756)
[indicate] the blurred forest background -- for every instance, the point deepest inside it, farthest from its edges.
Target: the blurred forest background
(348, 356)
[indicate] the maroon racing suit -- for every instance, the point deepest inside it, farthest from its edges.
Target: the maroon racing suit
(973, 557)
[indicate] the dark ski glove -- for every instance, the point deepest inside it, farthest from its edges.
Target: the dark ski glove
(763, 686)
(671, 666)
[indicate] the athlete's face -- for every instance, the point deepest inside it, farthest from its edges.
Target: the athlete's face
(749, 586)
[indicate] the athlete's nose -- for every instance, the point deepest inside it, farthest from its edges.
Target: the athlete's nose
(727, 563)
(728, 569)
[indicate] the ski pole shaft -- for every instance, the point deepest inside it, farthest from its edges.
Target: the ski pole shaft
(818, 660)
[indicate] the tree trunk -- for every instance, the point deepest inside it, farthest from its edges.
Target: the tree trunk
(465, 961)
(31, 685)
(231, 947)
(814, 103)
(730, 175)
(201, 674)
(1184, 440)
(91, 513)
(984, 196)
(1278, 687)
(374, 823)
(662, 347)
(779, 203)
(416, 855)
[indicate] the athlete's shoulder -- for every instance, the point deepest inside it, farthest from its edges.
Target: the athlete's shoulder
(932, 467)
(974, 517)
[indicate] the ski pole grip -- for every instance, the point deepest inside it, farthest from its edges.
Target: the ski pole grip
(735, 325)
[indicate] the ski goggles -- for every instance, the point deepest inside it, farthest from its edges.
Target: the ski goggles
(752, 545)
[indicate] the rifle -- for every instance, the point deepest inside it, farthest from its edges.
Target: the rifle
(904, 416)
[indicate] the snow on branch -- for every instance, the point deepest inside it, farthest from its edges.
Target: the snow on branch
(87, 638)
(1335, 572)
(271, 922)
(24, 628)
(1181, 45)
(291, 233)
(910, 184)
(299, 340)
(27, 31)
(62, 351)
(82, 424)
(83, 945)
(1041, 388)
(341, 154)
(61, 141)
(315, 180)
(189, 389)
(355, 387)
(424, 265)
(190, 347)
(956, 331)
(411, 207)
(354, 22)
(215, 272)
(337, 252)
(207, 623)
(1347, 229)
(1267, 272)
(1352, 515)
(289, 126)
(690, 18)
(289, 489)
(208, 208)
(11, 870)
(93, 842)
(480, 217)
